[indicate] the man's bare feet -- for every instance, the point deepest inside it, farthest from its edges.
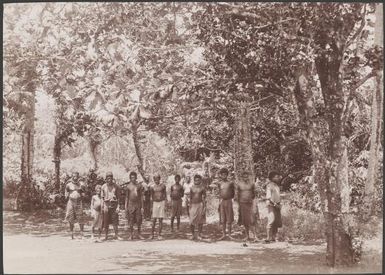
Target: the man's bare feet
(160, 237)
(141, 237)
(151, 237)
(199, 237)
(192, 237)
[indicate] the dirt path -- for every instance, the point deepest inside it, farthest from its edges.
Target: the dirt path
(32, 252)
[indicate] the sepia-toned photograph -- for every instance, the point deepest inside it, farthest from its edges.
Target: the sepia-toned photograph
(192, 137)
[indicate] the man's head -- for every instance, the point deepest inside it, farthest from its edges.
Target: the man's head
(157, 179)
(98, 189)
(75, 176)
(245, 175)
(147, 179)
(109, 178)
(197, 179)
(275, 176)
(223, 173)
(133, 176)
(177, 178)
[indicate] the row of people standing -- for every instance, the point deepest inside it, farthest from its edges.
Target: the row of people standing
(105, 204)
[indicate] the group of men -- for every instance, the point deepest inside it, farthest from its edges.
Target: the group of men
(105, 204)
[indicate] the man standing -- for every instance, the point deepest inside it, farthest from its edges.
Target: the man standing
(197, 206)
(226, 193)
(187, 186)
(273, 200)
(74, 192)
(133, 205)
(246, 196)
(110, 199)
(159, 196)
(177, 193)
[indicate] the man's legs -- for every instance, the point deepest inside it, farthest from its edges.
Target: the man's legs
(247, 232)
(115, 225)
(72, 230)
(153, 228)
(131, 230)
(140, 231)
(270, 224)
(200, 229)
(192, 228)
(172, 223)
(274, 231)
(223, 232)
(177, 223)
(81, 230)
(160, 228)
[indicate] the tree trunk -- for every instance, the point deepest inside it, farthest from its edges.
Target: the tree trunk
(376, 118)
(27, 143)
(138, 151)
(57, 157)
(329, 170)
(243, 151)
(93, 146)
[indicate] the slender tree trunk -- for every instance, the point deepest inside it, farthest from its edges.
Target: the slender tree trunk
(376, 124)
(138, 151)
(57, 157)
(27, 144)
(329, 170)
(93, 146)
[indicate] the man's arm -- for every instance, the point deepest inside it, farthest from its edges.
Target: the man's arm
(204, 196)
(268, 194)
(127, 197)
(182, 192)
(66, 193)
(253, 191)
(164, 193)
(117, 195)
(232, 190)
(92, 205)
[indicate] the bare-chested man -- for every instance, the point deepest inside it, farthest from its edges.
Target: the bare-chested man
(110, 207)
(226, 193)
(197, 206)
(246, 196)
(133, 205)
(159, 196)
(177, 193)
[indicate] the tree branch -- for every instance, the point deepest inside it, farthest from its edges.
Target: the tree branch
(359, 30)
(346, 111)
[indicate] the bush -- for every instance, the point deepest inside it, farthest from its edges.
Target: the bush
(301, 224)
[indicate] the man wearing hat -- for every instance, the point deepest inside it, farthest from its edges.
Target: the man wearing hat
(110, 199)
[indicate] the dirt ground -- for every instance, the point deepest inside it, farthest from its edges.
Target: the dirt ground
(40, 244)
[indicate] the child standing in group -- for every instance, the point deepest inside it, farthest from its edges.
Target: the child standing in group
(96, 211)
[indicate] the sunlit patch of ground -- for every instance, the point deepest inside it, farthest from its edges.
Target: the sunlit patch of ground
(35, 243)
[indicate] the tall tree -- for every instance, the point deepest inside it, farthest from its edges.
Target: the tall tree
(376, 116)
